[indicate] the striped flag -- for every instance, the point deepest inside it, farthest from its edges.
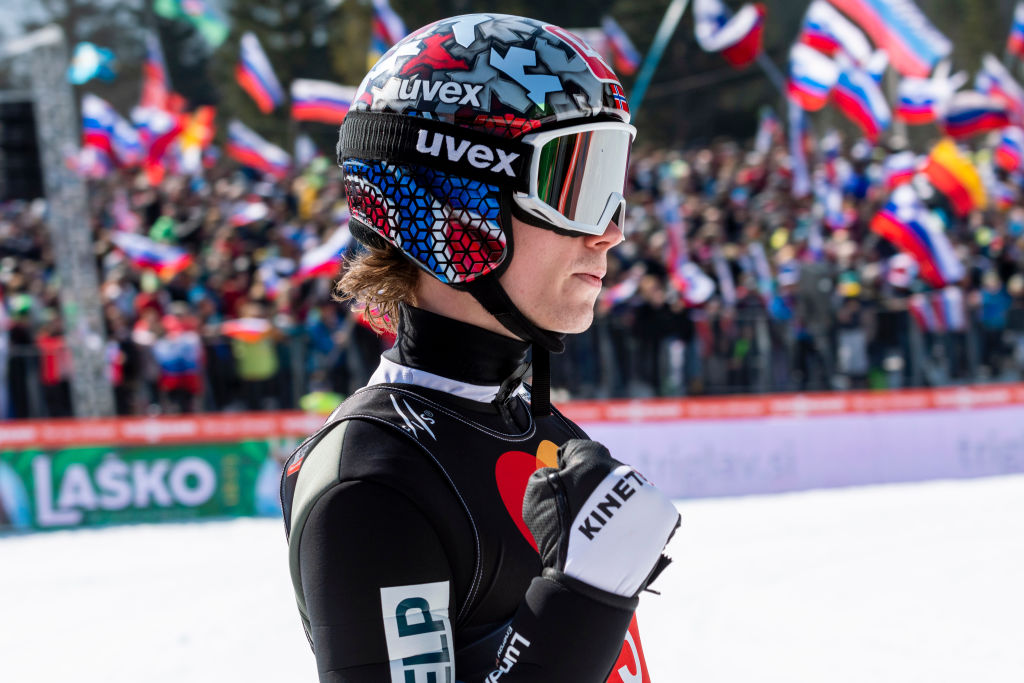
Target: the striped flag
(899, 168)
(923, 313)
(859, 96)
(901, 29)
(325, 260)
(1010, 151)
(971, 113)
(244, 213)
(994, 80)
(1015, 41)
(828, 31)
(918, 100)
(812, 76)
(738, 37)
(321, 101)
(249, 330)
(387, 29)
(625, 57)
(156, 85)
(166, 260)
(249, 149)
(955, 176)
(256, 76)
(907, 223)
(949, 305)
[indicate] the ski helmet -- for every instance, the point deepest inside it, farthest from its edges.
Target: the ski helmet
(472, 119)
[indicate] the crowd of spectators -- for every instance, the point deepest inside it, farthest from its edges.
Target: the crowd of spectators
(796, 306)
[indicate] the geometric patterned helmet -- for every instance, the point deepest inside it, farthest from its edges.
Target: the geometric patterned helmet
(436, 147)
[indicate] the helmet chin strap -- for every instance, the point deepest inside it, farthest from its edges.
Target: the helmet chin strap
(492, 296)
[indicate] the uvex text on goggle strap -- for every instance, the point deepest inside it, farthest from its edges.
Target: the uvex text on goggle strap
(571, 177)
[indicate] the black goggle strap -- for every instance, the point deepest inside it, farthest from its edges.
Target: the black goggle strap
(417, 141)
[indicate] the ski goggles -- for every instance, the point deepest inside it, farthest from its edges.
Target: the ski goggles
(577, 175)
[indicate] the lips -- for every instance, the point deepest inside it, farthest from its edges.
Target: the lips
(590, 278)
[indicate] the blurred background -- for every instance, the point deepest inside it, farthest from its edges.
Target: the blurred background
(822, 286)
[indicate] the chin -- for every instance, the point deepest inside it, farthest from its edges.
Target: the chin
(570, 323)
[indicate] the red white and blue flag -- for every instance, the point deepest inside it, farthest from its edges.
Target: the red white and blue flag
(907, 223)
(249, 211)
(918, 100)
(899, 168)
(625, 57)
(1015, 41)
(828, 31)
(249, 149)
(737, 36)
(812, 76)
(388, 28)
(256, 76)
(156, 85)
(107, 132)
(858, 95)
(158, 129)
(321, 101)
(1009, 153)
(994, 80)
(901, 29)
(971, 113)
(325, 260)
(143, 252)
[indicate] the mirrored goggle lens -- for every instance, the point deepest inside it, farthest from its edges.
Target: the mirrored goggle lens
(579, 172)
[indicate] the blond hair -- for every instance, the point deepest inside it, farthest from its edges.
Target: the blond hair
(378, 280)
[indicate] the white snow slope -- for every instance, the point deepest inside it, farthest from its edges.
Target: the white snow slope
(902, 583)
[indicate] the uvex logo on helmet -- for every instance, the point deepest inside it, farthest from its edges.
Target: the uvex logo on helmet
(479, 156)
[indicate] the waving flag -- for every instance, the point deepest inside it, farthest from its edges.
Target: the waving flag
(921, 310)
(995, 81)
(325, 259)
(918, 100)
(98, 125)
(249, 330)
(143, 252)
(90, 61)
(247, 148)
(956, 177)
(625, 58)
(898, 27)
(1010, 151)
(812, 76)
(156, 85)
(828, 31)
(386, 30)
(256, 76)
(320, 100)
(971, 113)
(737, 37)
(1015, 41)
(248, 212)
(907, 223)
(769, 129)
(859, 96)
(158, 129)
(899, 168)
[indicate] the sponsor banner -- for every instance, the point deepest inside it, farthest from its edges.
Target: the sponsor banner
(90, 486)
(697, 458)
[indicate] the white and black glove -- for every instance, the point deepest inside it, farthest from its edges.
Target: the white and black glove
(599, 521)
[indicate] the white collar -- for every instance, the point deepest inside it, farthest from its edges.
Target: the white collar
(390, 372)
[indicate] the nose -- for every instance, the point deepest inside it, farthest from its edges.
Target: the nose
(611, 236)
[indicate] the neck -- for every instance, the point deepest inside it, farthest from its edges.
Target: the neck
(435, 296)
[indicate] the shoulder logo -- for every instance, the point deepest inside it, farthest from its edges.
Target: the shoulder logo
(414, 421)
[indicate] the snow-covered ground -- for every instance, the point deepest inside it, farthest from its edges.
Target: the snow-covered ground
(904, 583)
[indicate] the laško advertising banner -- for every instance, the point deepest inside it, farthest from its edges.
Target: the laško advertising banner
(83, 487)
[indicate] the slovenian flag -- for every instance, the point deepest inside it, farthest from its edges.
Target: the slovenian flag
(812, 76)
(155, 83)
(246, 212)
(902, 30)
(143, 252)
(955, 176)
(971, 113)
(98, 124)
(995, 81)
(859, 96)
(256, 76)
(325, 260)
(919, 98)
(321, 101)
(828, 31)
(247, 148)
(387, 29)
(1015, 42)
(907, 223)
(738, 37)
(625, 57)
(899, 168)
(1010, 151)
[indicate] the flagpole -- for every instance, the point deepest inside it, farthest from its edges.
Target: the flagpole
(772, 71)
(673, 14)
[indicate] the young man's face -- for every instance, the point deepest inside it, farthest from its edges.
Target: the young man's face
(554, 279)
